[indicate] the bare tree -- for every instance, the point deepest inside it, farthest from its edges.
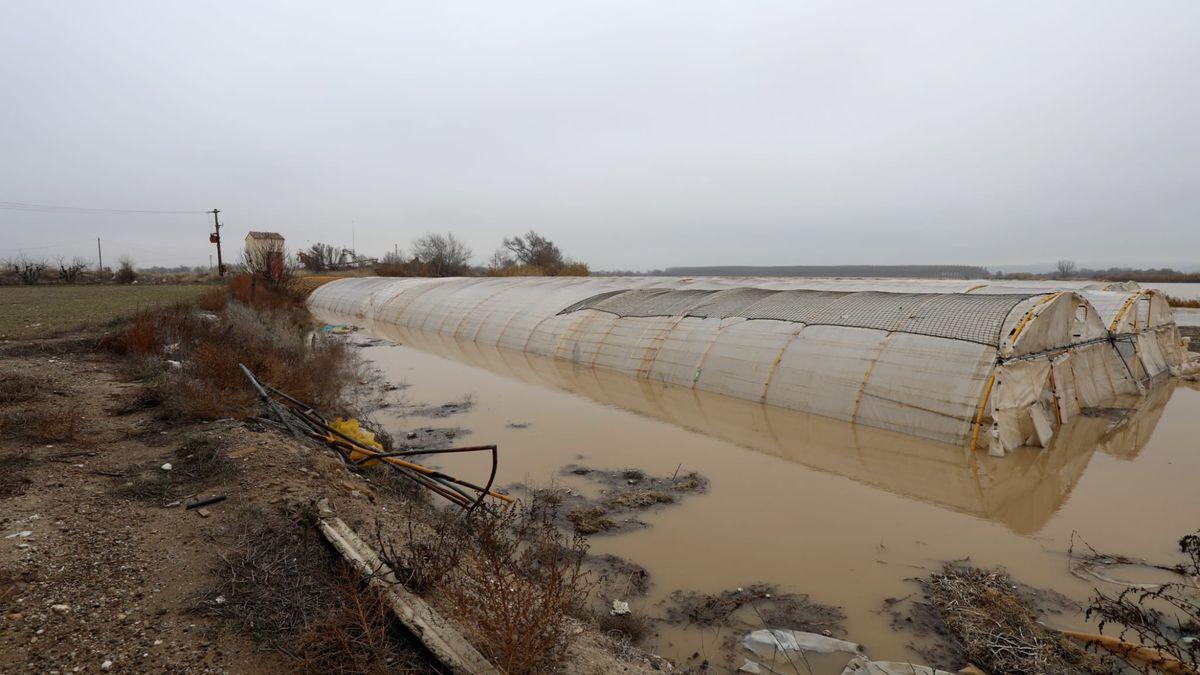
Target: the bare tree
(28, 271)
(1066, 268)
(69, 272)
(442, 255)
(126, 274)
(269, 263)
(394, 257)
(319, 257)
(534, 250)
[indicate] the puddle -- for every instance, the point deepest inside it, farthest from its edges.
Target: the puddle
(841, 515)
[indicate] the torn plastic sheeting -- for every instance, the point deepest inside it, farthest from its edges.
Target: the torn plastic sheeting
(860, 665)
(768, 643)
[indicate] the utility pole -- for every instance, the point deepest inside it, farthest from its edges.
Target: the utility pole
(215, 238)
(99, 257)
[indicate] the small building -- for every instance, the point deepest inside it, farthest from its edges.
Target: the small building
(259, 245)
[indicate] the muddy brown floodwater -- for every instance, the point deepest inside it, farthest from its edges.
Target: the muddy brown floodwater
(844, 514)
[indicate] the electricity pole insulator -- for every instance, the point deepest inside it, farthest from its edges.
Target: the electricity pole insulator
(215, 238)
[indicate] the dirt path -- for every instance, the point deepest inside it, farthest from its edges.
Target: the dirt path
(88, 577)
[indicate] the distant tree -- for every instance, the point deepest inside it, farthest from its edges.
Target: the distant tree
(27, 270)
(319, 257)
(69, 272)
(126, 274)
(442, 255)
(1065, 268)
(534, 250)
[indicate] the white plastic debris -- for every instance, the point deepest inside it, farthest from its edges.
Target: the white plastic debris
(22, 534)
(175, 365)
(167, 466)
(750, 667)
(107, 665)
(619, 608)
(768, 643)
(861, 665)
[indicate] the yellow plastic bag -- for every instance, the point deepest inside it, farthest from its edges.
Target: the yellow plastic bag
(361, 435)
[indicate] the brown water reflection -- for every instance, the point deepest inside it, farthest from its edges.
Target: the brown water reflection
(1021, 491)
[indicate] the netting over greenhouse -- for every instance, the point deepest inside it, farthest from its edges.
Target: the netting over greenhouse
(990, 370)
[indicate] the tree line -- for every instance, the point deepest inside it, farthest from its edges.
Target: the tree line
(445, 255)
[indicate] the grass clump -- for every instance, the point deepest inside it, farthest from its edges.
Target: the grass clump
(48, 424)
(19, 387)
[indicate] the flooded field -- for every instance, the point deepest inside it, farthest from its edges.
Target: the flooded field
(847, 515)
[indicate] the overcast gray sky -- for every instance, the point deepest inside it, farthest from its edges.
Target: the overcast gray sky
(635, 134)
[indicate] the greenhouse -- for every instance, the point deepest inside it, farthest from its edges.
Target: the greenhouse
(988, 370)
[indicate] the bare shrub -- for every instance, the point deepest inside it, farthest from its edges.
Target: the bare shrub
(442, 255)
(1164, 618)
(1065, 268)
(27, 271)
(269, 264)
(70, 272)
(126, 274)
(513, 581)
(356, 636)
(319, 257)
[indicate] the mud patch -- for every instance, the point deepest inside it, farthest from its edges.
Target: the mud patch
(441, 411)
(627, 492)
(431, 438)
(754, 607)
(518, 425)
(618, 578)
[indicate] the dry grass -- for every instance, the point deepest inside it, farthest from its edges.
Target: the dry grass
(997, 630)
(1191, 303)
(358, 636)
(48, 424)
(19, 387)
(272, 340)
(283, 587)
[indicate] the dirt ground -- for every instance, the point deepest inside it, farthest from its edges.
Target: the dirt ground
(103, 569)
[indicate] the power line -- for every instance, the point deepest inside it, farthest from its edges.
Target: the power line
(51, 208)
